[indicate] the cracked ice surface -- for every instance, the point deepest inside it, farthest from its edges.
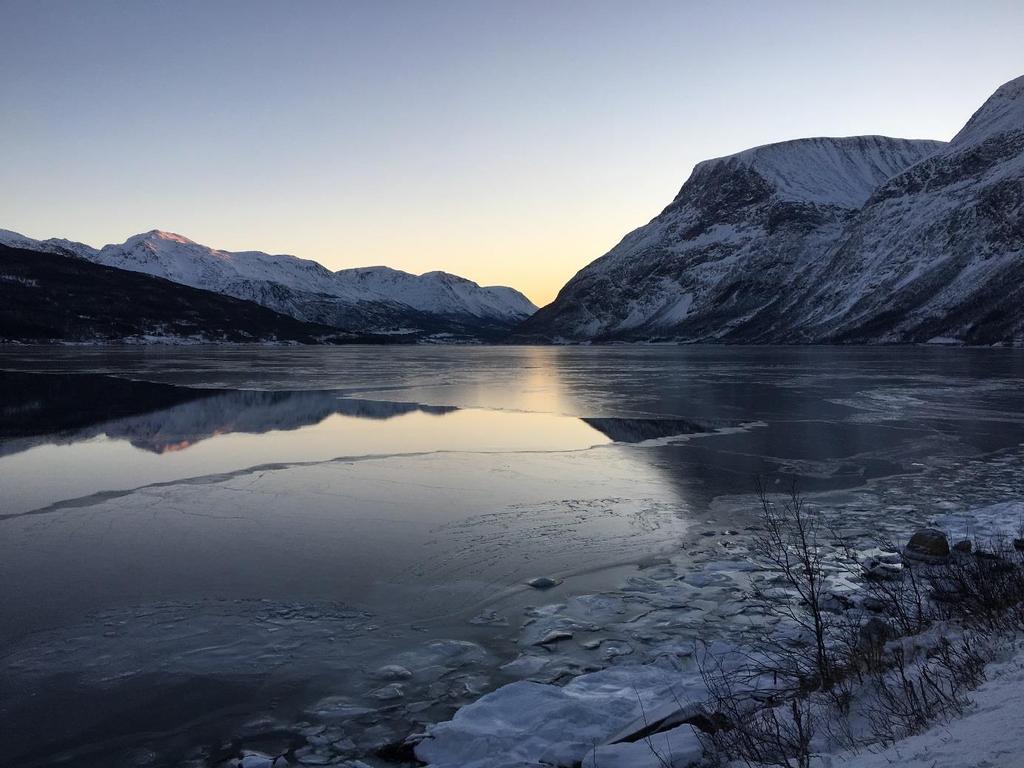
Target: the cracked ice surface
(362, 567)
(580, 694)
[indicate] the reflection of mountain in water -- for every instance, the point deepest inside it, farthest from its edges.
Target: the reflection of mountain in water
(249, 412)
(638, 430)
(48, 408)
(42, 404)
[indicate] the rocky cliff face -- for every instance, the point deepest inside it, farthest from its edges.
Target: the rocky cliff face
(862, 239)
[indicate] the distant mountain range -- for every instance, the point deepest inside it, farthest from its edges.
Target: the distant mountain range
(47, 298)
(375, 300)
(827, 240)
(863, 239)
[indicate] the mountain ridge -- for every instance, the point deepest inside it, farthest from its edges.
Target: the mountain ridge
(364, 299)
(714, 259)
(942, 242)
(50, 298)
(824, 240)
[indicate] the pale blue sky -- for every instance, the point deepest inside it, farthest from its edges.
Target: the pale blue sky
(509, 142)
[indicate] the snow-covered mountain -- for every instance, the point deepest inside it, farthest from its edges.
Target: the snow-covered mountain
(48, 298)
(937, 253)
(720, 261)
(376, 299)
(56, 245)
(860, 239)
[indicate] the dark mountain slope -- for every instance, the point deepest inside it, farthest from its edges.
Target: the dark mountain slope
(46, 297)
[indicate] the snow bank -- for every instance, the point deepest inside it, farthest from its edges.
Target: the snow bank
(989, 736)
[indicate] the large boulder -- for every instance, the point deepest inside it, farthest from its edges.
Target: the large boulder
(928, 545)
(543, 582)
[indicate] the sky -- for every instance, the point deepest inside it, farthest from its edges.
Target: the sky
(508, 142)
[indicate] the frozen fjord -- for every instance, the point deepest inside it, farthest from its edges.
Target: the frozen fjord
(347, 528)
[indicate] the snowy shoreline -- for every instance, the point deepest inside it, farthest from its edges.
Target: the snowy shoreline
(530, 722)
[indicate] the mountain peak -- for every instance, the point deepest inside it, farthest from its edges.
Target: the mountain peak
(448, 277)
(160, 234)
(1012, 89)
(1002, 112)
(826, 170)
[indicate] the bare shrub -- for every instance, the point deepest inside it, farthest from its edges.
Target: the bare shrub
(792, 546)
(984, 589)
(878, 661)
(902, 598)
(760, 731)
(909, 698)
